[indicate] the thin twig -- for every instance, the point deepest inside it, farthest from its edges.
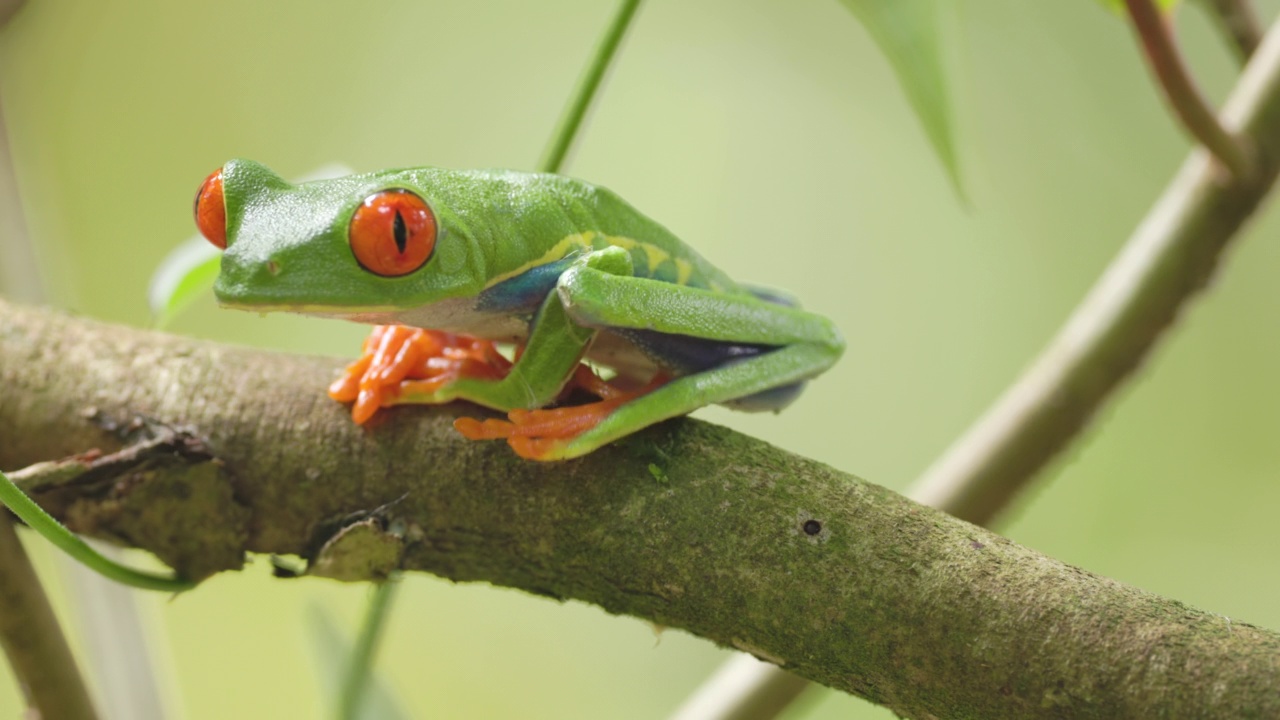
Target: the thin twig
(32, 640)
(360, 665)
(1239, 22)
(1180, 90)
(42, 522)
(1171, 255)
(567, 129)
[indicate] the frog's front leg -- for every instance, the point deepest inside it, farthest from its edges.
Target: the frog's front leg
(466, 368)
(403, 365)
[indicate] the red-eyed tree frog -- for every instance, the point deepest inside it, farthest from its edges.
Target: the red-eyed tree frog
(562, 269)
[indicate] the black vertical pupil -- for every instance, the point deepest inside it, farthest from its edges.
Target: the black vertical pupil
(401, 232)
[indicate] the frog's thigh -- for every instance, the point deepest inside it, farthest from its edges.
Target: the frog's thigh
(600, 299)
(777, 368)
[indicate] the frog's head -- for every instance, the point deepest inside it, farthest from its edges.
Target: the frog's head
(364, 247)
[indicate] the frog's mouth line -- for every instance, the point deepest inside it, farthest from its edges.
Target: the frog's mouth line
(372, 314)
(458, 315)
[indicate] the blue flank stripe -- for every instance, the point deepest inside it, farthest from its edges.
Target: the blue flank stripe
(525, 292)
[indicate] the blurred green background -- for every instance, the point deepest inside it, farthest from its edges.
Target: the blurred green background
(770, 135)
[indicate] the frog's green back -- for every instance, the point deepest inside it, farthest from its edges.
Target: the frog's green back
(527, 220)
(288, 248)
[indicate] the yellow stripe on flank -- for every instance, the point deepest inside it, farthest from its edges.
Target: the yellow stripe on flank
(684, 270)
(578, 241)
(654, 255)
(625, 243)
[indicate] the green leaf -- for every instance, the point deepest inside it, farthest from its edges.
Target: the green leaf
(907, 33)
(190, 269)
(185, 273)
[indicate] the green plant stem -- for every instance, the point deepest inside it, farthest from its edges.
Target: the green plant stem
(1184, 97)
(360, 668)
(566, 132)
(574, 112)
(33, 642)
(53, 531)
(1239, 22)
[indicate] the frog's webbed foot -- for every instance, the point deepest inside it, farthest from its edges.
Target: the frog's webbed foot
(542, 434)
(398, 361)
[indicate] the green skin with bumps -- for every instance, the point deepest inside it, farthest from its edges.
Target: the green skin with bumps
(566, 268)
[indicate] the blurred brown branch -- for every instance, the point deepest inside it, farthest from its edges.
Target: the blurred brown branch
(1239, 22)
(8, 8)
(1155, 34)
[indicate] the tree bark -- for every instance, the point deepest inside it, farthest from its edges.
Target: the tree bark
(686, 524)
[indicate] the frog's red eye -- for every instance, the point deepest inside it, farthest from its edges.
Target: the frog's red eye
(211, 210)
(393, 233)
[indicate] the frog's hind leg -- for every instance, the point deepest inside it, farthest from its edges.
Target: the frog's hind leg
(598, 291)
(771, 400)
(686, 355)
(564, 433)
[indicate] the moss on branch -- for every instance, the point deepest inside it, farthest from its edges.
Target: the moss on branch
(834, 578)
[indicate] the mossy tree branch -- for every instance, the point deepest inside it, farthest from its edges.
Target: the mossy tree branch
(837, 579)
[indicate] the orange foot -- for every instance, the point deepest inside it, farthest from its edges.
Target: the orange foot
(537, 434)
(398, 359)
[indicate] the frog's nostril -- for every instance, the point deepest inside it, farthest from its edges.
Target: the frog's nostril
(273, 267)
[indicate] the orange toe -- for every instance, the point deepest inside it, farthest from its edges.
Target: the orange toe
(541, 433)
(535, 448)
(399, 360)
(562, 422)
(347, 387)
(366, 404)
(490, 429)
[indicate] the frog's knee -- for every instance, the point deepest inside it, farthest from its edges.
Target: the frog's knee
(613, 260)
(771, 400)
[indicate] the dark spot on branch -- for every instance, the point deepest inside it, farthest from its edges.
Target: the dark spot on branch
(812, 527)
(283, 568)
